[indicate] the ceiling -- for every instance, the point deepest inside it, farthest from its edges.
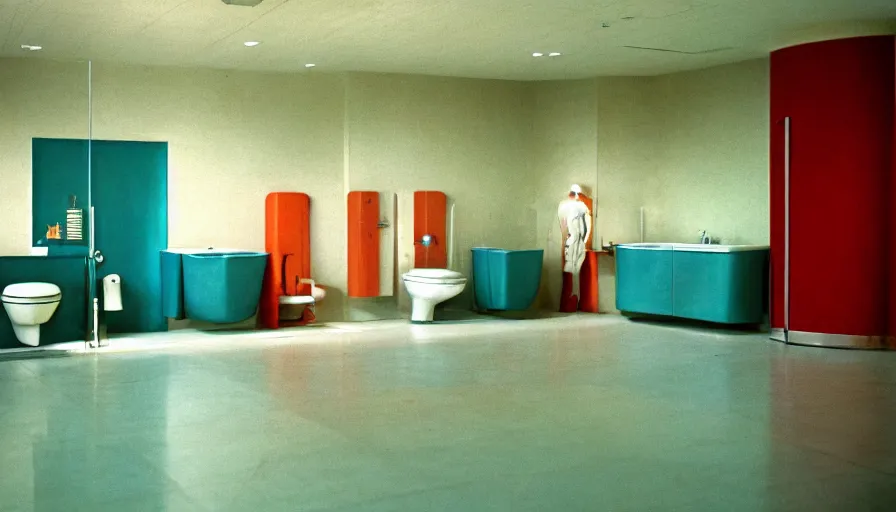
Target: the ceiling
(470, 38)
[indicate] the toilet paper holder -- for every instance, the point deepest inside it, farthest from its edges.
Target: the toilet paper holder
(112, 293)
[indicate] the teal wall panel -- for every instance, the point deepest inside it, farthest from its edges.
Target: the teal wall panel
(130, 196)
(58, 170)
(69, 322)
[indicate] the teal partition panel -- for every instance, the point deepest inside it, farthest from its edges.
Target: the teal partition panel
(172, 285)
(58, 172)
(130, 197)
(69, 322)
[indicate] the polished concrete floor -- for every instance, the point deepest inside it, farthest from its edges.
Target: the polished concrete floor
(582, 413)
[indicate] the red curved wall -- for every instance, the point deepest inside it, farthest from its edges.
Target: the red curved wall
(840, 98)
(892, 312)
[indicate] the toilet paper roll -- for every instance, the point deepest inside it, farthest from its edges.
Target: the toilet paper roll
(112, 293)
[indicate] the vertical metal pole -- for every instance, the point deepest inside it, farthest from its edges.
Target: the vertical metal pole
(91, 265)
(92, 243)
(786, 226)
(641, 224)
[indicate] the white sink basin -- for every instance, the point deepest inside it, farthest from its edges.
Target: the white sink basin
(695, 247)
(717, 248)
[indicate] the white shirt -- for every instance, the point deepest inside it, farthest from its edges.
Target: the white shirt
(571, 210)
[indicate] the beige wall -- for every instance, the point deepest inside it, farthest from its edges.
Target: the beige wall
(564, 151)
(37, 99)
(234, 136)
(467, 138)
(600, 134)
(711, 160)
(691, 148)
(627, 141)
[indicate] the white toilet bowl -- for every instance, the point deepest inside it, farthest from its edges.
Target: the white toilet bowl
(29, 305)
(430, 286)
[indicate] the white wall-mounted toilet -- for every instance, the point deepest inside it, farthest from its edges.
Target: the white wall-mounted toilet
(292, 307)
(430, 286)
(29, 305)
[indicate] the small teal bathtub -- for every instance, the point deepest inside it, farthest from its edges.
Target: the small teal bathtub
(506, 280)
(217, 286)
(724, 284)
(224, 287)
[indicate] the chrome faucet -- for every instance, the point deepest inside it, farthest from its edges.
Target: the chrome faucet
(704, 238)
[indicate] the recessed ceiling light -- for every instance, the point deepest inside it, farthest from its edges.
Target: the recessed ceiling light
(250, 44)
(310, 65)
(538, 54)
(554, 54)
(32, 47)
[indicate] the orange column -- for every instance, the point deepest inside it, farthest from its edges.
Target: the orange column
(288, 242)
(363, 244)
(588, 287)
(430, 210)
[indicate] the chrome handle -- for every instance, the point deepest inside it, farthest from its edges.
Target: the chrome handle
(98, 256)
(786, 225)
(92, 234)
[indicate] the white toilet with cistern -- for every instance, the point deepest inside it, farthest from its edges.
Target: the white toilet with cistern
(29, 305)
(430, 286)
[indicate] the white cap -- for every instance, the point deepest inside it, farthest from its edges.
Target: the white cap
(575, 188)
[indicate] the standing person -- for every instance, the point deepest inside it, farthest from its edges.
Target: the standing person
(575, 228)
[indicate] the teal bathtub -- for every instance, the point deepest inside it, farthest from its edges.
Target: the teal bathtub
(506, 280)
(644, 278)
(724, 284)
(217, 286)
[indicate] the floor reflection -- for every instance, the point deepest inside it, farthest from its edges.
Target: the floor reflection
(104, 437)
(581, 413)
(840, 406)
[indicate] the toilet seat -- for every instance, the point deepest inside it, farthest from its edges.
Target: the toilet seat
(297, 300)
(435, 276)
(31, 293)
(429, 287)
(30, 305)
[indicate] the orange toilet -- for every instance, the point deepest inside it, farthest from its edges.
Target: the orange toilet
(287, 280)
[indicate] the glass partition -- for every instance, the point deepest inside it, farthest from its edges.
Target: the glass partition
(129, 196)
(44, 189)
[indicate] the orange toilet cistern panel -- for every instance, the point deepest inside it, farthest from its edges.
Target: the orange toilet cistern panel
(430, 212)
(363, 244)
(288, 241)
